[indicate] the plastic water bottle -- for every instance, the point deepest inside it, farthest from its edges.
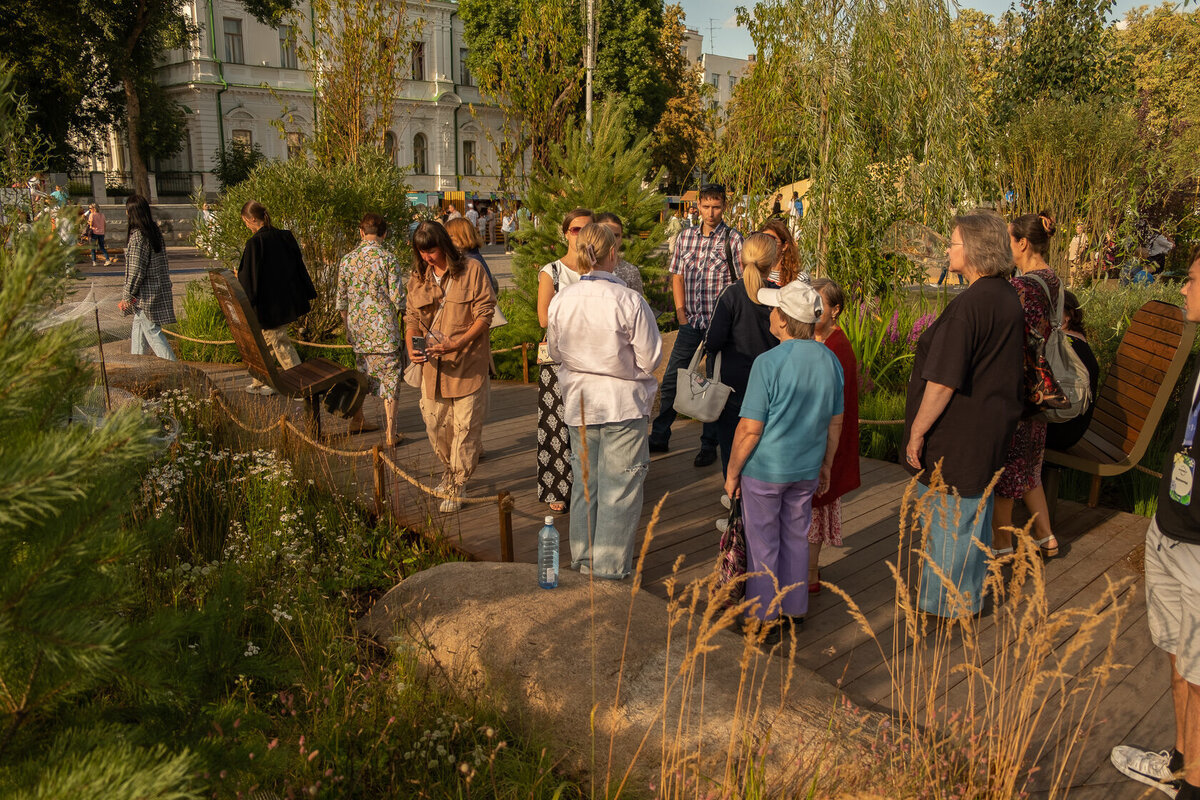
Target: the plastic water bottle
(548, 555)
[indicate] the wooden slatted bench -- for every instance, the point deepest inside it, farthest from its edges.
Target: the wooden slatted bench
(308, 381)
(1150, 359)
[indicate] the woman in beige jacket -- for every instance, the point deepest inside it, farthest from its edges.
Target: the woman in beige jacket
(450, 307)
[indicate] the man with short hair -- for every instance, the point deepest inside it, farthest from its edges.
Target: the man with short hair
(1172, 563)
(707, 258)
(472, 215)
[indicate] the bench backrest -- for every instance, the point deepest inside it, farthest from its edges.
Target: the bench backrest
(1150, 359)
(243, 324)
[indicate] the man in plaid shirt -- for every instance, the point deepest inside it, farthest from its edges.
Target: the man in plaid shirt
(707, 258)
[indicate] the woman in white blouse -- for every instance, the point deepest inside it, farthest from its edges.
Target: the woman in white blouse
(605, 338)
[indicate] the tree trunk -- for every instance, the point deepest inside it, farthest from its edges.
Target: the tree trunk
(133, 118)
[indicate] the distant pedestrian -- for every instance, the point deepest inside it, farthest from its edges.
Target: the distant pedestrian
(472, 216)
(277, 283)
(60, 196)
(147, 293)
(508, 227)
(96, 227)
(466, 238)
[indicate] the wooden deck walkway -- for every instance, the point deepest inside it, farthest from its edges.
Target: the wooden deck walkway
(1099, 544)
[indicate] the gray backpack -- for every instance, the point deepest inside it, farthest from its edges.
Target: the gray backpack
(1065, 365)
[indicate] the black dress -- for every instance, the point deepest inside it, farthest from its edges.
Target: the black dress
(554, 474)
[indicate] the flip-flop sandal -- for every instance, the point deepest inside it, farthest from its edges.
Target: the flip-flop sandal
(558, 507)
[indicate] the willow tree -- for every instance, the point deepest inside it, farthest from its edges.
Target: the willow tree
(868, 101)
(531, 67)
(358, 58)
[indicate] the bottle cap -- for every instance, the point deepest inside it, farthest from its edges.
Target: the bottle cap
(549, 520)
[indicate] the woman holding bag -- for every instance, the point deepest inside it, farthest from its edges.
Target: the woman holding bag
(554, 444)
(450, 307)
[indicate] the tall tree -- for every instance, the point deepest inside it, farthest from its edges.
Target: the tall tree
(630, 56)
(684, 130)
(357, 62)
(866, 100)
(527, 56)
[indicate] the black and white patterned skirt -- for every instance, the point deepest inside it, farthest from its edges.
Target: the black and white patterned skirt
(554, 444)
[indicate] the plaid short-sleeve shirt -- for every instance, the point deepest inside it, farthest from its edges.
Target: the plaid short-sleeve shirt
(707, 268)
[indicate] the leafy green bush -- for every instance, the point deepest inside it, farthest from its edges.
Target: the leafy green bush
(235, 162)
(881, 441)
(202, 318)
(322, 206)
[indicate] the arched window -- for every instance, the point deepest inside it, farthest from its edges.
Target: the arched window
(420, 155)
(389, 146)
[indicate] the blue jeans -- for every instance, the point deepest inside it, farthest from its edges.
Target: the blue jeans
(686, 342)
(727, 424)
(618, 457)
(958, 530)
(144, 330)
(97, 240)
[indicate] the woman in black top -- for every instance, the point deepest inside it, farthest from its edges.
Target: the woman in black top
(1063, 435)
(964, 399)
(741, 331)
(277, 284)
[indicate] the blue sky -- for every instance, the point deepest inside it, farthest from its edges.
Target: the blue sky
(730, 40)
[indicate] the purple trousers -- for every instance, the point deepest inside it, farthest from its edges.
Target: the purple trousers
(777, 518)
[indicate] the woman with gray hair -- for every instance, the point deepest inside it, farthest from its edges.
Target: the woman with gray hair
(964, 400)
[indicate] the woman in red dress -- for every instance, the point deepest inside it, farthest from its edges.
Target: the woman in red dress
(827, 508)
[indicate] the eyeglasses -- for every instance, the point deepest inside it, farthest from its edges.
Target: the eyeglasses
(956, 244)
(773, 236)
(574, 230)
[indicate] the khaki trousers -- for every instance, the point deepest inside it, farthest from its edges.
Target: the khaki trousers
(455, 429)
(281, 347)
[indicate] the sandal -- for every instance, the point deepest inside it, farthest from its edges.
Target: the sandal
(1047, 552)
(814, 587)
(558, 507)
(1003, 551)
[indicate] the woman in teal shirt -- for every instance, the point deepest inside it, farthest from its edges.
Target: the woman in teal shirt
(783, 452)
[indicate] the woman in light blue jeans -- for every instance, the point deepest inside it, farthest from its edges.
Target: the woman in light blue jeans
(604, 336)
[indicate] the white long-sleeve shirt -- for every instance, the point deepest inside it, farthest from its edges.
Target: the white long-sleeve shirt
(606, 340)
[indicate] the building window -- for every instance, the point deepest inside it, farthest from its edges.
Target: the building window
(464, 73)
(732, 82)
(420, 160)
(468, 157)
(242, 136)
(389, 146)
(234, 54)
(715, 80)
(295, 145)
(418, 61)
(287, 47)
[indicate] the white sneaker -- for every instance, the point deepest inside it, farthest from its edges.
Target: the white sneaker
(451, 504)
(722, 524)
(725, 501)
(1152, 769)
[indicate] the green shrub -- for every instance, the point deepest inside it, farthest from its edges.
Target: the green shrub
(322, 206)
(881, 441)
(235, 162)
(202, 318)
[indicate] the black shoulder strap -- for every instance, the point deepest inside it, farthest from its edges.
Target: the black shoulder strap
(729, 253)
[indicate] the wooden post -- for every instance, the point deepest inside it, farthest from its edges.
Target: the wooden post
(525, 361)
(380, 494)
(1094, 492)
(505, 503)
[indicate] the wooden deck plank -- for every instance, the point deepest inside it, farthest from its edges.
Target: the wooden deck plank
(1096, 543)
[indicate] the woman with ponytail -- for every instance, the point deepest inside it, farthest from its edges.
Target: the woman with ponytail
(1030, 237)
(276, 281)
(605, 339)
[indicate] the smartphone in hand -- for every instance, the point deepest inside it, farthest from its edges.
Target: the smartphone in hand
(419, 344)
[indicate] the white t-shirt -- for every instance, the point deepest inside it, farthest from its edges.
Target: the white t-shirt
(566, 275)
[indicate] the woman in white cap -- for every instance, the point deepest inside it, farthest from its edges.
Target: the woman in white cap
(783, 450)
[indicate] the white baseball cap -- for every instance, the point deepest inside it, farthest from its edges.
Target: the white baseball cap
(797, 299)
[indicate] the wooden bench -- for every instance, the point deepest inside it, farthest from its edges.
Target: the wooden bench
(308, 382)
(1150, 359)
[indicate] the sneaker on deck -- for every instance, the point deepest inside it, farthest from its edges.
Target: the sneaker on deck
(1152, 769)
(722, 524)
(725, 501)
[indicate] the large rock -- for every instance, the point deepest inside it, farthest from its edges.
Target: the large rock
(547, 658)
